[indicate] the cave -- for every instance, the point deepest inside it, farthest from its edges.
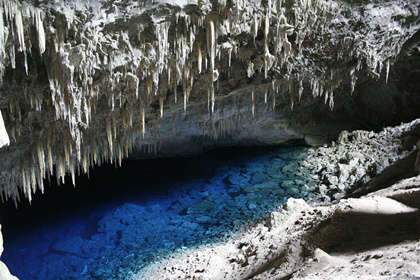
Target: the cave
(209, 139)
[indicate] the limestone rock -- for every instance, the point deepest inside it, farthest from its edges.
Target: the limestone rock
(5, 273)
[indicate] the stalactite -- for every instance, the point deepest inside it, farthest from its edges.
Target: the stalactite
(199, 59)
(109, 134)
(4, 137)
(255, 27)
(175, 93)
(266, 32)
(161, 106)
(331, 101)
(185, 100)
(19, 30)
(143, 122)
(50, 158)
(38, 21)
(253, 102)
(135, 80)
(300, 88)
(353, 80)
(211, 47)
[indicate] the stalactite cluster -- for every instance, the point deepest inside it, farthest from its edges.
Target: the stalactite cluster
(111, 69)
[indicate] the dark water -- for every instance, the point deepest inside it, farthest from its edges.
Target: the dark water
(119, 220)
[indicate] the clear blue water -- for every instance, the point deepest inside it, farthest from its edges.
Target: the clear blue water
(123, 219)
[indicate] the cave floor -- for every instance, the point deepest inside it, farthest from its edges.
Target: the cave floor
(123, 231)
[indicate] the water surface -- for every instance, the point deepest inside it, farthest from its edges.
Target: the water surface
(119, 220)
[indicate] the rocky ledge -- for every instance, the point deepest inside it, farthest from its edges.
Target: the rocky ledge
(375, 236)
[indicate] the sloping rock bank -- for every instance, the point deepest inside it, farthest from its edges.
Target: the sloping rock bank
(375, 236)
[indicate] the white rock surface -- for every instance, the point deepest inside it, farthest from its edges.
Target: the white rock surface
(375, 205)
(355, 158)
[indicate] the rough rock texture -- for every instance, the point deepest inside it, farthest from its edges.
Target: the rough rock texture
(88, 81)
(356, 158)
(372, 237)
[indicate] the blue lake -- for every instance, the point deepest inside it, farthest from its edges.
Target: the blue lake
(112, 225)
